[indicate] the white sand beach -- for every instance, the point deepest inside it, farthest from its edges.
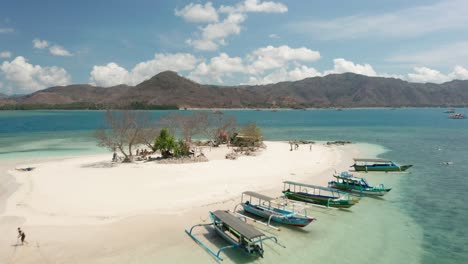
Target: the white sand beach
(89, 210)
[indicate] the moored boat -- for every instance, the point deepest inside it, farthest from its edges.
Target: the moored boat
(457, 116)
(238, 233)
(347, 182)
(262, 205)
(378, 165)
(318, 195)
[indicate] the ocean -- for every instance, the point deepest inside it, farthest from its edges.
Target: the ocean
(422, 220)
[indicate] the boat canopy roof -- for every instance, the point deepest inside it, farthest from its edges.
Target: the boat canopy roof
(312, 186)
(244, 229)
(259, 196)
(371, 160)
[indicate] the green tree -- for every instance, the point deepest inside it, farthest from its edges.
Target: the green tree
(182, 149)
(248, 136)
(165, 143)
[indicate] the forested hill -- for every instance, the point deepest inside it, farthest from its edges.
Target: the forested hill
(169, 90)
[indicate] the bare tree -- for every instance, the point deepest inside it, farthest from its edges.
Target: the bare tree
(217, 127)
(125, 129)
(170, 122)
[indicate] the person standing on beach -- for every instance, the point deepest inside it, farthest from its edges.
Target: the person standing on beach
(22, 235)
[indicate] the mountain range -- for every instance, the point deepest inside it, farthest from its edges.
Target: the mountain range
(169, 90)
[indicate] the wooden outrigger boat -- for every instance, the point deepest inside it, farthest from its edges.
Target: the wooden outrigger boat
(347, 182)
(262, 205)
(318, 195)
(378, 165)
(238, 233)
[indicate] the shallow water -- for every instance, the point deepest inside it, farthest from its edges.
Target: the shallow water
(422, 220)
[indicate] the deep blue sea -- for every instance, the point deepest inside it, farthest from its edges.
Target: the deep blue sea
(432, 197)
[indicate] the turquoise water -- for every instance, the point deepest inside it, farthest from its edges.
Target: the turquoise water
(422, 220)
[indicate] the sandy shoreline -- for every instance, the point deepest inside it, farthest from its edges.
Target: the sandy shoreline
(81, 208)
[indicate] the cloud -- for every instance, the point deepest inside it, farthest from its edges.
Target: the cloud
(255, 6)
(6, 30)
(258, 64)
(40, 44)
(274, 57)
(282, 75)
(273, 36)
(28, 78)
(459, 73)
(214, 34)
(5, 54)
(57, 50)
(409, 23)
(341, 66)
(446, 55)
(109, 75)
(424, 74)
(219, 66)
(113, 74)
(198, 13)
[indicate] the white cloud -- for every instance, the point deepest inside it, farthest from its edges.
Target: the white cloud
(410, 22)
(59, 51)
(198, 13)
(282, 75)
(255, 6)
(6, 30)
(446, 55)
(5, 54)
(40, 44)
(211, 36)
(27, 77)
(219, 66)
(341, 66)
(273, 36)
(113, 74)
(256, 64)
(274, 57)
(55, 50)
(459, 73)
(424, 74)
(109, 75)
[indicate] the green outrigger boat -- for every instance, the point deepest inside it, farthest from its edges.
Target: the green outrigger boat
(318, 195)
(378, 165)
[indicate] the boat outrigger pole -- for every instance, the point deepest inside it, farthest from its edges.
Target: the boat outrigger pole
(216, 255)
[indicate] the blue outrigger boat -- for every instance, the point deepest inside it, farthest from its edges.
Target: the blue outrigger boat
(261, 205)
(347, 182)
(238, 233)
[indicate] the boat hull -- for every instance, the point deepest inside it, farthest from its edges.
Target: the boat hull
(320, 200)
(380, 168)
(279, 217)
(359, 191)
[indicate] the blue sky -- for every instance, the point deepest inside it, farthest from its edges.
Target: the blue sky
(52, 42)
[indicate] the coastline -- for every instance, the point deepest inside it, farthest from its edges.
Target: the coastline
(143, 233)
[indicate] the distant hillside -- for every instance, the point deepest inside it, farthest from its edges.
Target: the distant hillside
(169, 90)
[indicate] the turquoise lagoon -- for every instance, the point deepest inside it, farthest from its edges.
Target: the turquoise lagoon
(422, 220)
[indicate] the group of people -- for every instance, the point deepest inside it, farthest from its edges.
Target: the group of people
(143, 152)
